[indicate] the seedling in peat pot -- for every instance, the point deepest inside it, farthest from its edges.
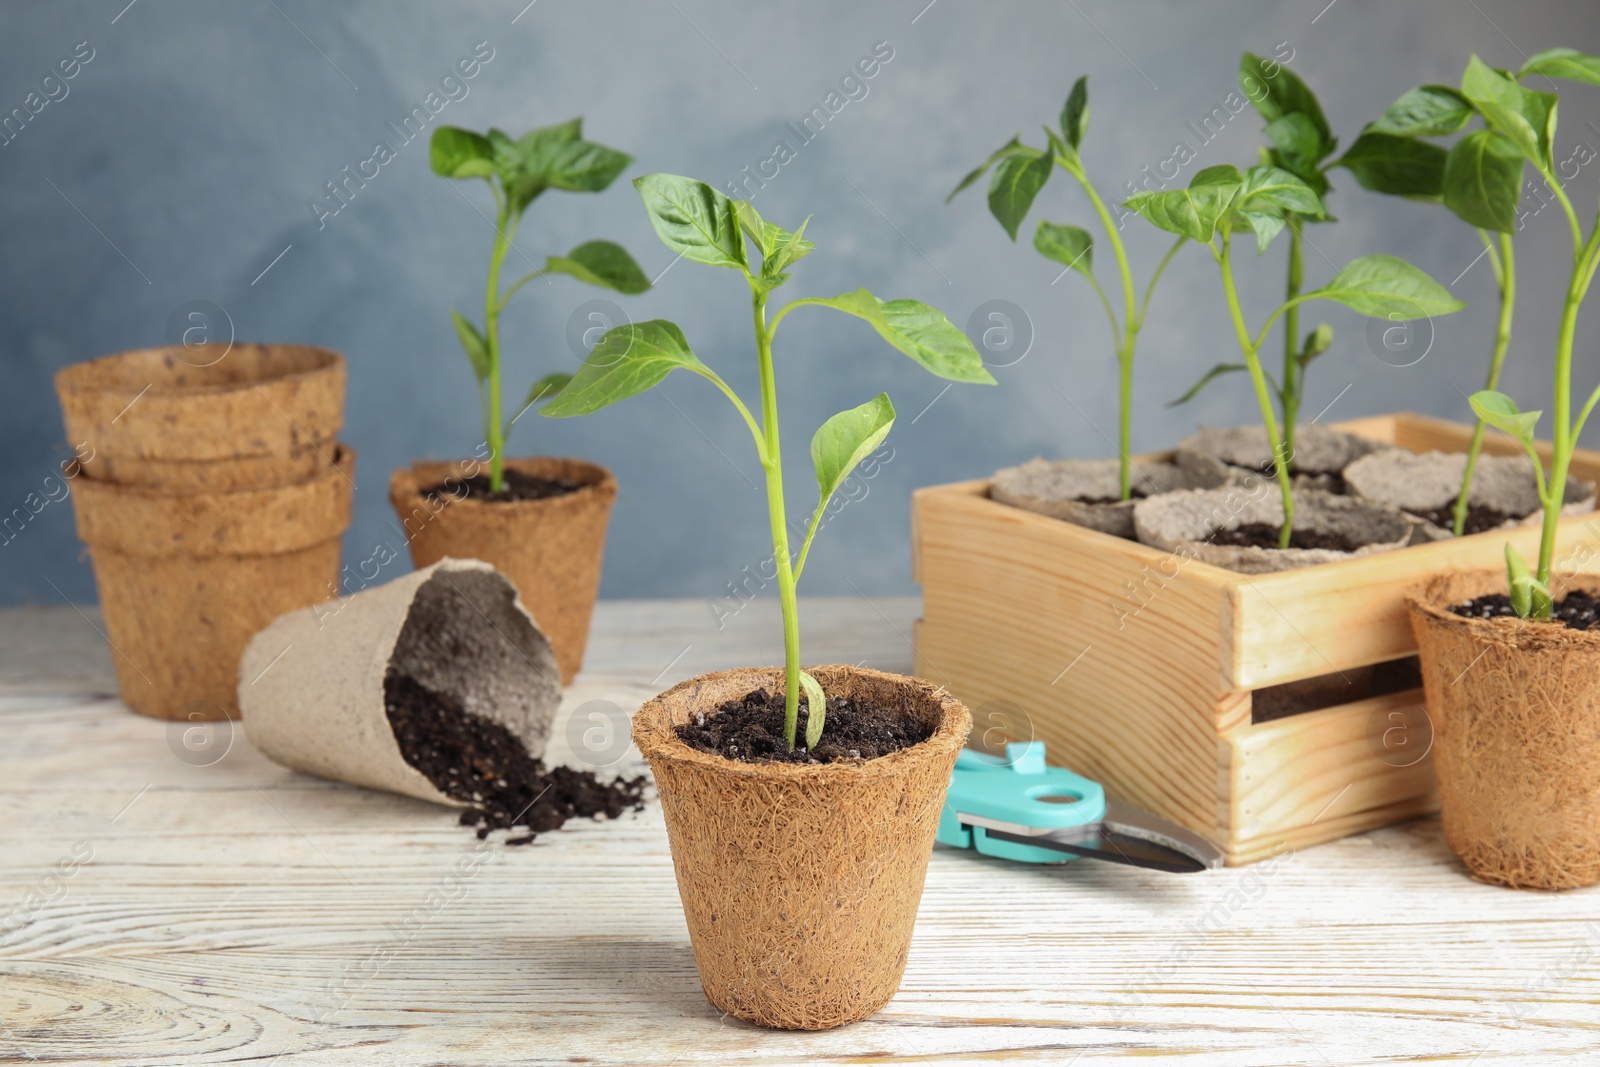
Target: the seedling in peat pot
(701, 224)
(1479, 178)
(1302, 142)
(1020, 172)
(1527, 120)
(1221, 200)
(551, 157)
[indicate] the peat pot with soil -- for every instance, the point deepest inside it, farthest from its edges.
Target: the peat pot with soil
(801, 804)
(1236, 655)
(541, 521)
(1511, 661)
(212, 497)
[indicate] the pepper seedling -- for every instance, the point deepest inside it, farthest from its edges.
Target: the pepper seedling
(1526, 118)
(1479, 178)
(701, 224)
(1222, 200)
(517, 172)
(1302, 142)
(1020, 172)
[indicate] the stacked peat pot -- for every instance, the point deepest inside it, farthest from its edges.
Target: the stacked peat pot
(213, 497)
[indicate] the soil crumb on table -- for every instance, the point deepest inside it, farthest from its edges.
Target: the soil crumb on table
(1265, 535)
(479, 761)
(515, 486)
(751, 731)
(1577, 610)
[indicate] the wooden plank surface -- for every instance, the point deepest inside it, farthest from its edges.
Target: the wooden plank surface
(237, 912)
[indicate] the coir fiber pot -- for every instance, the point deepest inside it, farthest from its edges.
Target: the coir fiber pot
(800, 882)
(212, 417)
(187, 578)
(1515, 706)
(551, 549)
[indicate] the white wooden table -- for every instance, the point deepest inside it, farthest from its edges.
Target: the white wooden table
(227, 910)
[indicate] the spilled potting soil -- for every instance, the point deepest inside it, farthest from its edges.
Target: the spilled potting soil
(515, 486)
(751, 731)
(479, 761)
(1577, 610)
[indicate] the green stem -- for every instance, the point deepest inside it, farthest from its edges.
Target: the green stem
(1506, 271)
(1252, 359)
(773, 464)
(1129, 331)
(491, 344)
(1292, 381)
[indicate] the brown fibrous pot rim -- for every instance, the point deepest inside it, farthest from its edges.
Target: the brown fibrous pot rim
(338, 466)
(597, 480)
(1433, 598)
(89, 376)
(657, 739)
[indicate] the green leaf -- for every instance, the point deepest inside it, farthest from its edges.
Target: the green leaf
(539, 146)
(816, 708)
(628, 360)
(1483, 180)
(1526, 117)
(1568, 63)
(1390, 287)
(1426, 111)
(1195, 211)
(1530, 598)
(1501, 412)
(846, 439)
(1274, 187)
(1298, 141)
(921, 332)
(473, 344)
(601, 263)
(458, 153)
(546, 388)
(1070, 246)
(1265, 224)
(1284, 94)
(1017, 180)
(1215, 372)
(1075, 113)
(584, 167)
(778, 247)
(693, 219)
(508, 160)
(1398, 166)
(1013, 145)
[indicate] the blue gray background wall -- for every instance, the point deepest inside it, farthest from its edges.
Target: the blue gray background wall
(181, 164)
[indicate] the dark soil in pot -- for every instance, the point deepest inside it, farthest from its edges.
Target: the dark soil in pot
(515, 486)
(1266, 535)
(751, 731)
(1576, 611)
(479, 761)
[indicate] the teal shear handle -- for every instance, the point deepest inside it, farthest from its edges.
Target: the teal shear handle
(1003, 794)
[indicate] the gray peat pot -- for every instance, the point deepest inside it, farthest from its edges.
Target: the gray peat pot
(1085, 491)
(1319, 452)
(1186, 522)
(311, 685)
(1422, 482)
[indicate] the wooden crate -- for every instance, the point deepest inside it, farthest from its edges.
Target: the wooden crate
(1151, 676)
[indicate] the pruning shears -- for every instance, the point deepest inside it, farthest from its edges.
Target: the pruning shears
(1017, 808)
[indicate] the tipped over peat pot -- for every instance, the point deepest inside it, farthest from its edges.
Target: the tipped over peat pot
(213, 496)
(551, 547)
(1259, 710)
(1515, 705)
(800, 882)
